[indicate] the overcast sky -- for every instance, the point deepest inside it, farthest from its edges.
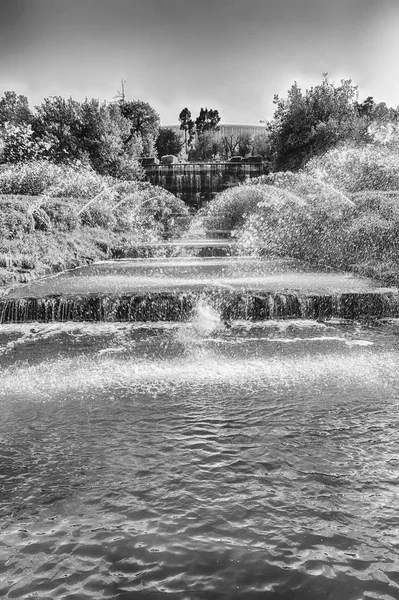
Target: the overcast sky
(233, 55)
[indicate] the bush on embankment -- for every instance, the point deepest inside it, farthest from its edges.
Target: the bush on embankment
(54, 217)
(323, 214)
(356, 169)
(229, 208)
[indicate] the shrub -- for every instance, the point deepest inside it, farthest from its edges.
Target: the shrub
(318, 195)
(32, 178)
(329, 227)
(272, 227)
(145, 205)
(230, 207)
(41, 177)
(81, 183)
(386, 204)
(62, 213)
(371, 237)
(285, 214)
(356, 169)
(168, 159)
(15, 217)
(41, 219)
(373, 233)
(99, 214)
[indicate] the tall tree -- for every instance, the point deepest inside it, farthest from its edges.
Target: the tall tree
(14, 109)
(92, 132)
(207, 120)
(188, 126)
(308, 124)
(103, 136)
(144, 122)
(58, 122)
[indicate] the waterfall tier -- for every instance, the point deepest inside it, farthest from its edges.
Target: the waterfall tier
(196, 183)
(167, 306)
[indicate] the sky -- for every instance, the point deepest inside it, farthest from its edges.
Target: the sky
(230, 55)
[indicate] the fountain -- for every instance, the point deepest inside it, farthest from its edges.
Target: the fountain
(196, 183)
(203, 427)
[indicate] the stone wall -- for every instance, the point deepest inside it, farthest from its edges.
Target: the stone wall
(196, 183)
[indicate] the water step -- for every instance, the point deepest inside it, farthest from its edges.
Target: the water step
(231, 305)
(200, 248)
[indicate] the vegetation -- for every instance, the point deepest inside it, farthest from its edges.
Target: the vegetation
(341, 211)
(207, 120)
(57, 216)
(143, 124)
(71, 184)
(108, 137)
(309, 124)
(168, 142)
(201, 131)
(188, 126)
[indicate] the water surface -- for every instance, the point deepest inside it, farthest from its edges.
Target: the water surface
(255, 461)
(189, 274)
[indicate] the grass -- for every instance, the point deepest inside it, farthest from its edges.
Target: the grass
(54, 218)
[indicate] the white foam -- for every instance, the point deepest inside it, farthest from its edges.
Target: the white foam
(205, 367)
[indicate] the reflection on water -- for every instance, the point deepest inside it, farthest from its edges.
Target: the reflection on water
(252, 461)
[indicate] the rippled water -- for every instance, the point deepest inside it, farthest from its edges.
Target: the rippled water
(255, 461)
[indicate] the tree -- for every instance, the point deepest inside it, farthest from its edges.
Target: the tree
(168, 142)
(261, 144)
(103, 138)
(309, 124)
(188, 126)
(207, 147)
(58, 123)
(230, 145)
(236, 144)
(14, 109)
(91, 132)
(365, 109)
(144, 122)
(244, 144)
(20, 144)
(207, 121)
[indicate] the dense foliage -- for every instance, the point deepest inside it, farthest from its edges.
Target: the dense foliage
(109, 137)
(60, 216)
(143, 124)
(354, 169)
(341, 211)
(168, 142)
(308, 124)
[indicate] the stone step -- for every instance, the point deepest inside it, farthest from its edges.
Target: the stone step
(191, 247)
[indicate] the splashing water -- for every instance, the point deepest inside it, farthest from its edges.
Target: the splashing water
(206, 319)
(224, 464)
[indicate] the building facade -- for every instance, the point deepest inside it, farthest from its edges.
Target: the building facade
(225, 129)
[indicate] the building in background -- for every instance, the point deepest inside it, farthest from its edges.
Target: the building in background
(225, 129)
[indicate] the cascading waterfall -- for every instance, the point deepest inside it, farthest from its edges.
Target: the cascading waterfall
(180, 306)
(198, 182)
(168, 431)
